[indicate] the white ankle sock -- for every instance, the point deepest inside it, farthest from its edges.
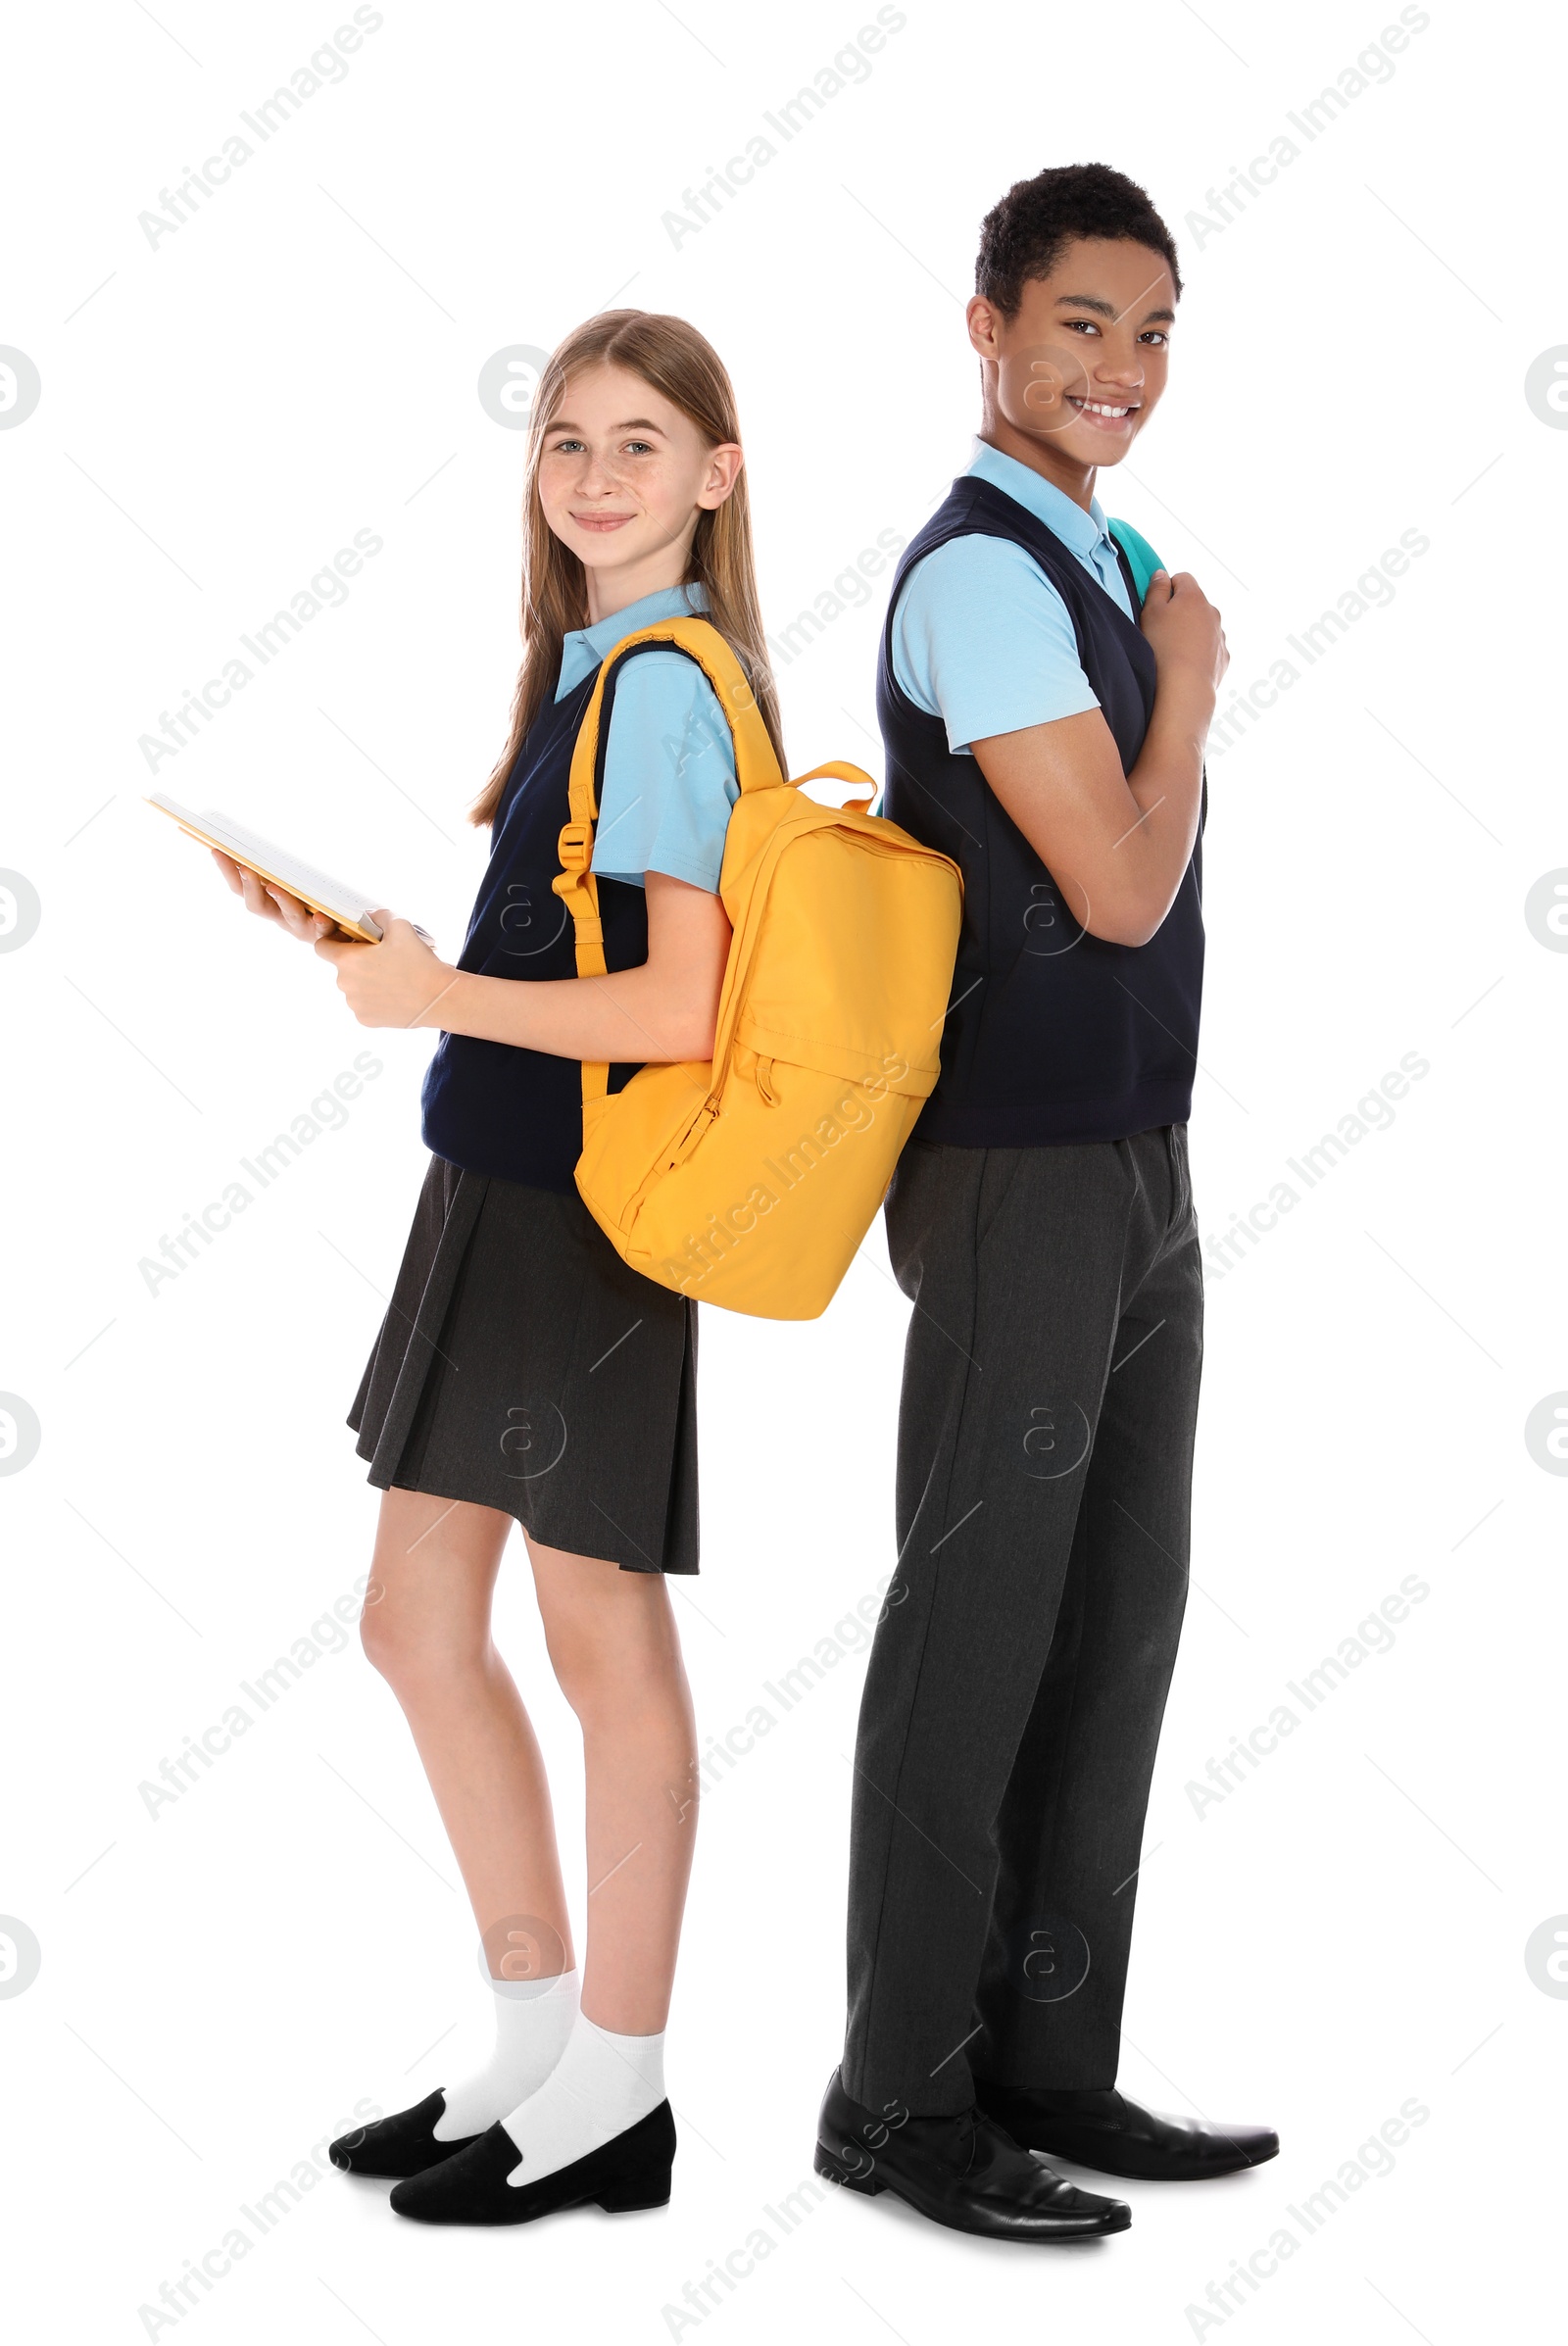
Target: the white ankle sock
(533, 2026)
(601, 2086)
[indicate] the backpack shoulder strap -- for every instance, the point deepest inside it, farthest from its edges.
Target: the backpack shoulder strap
(756, 767)
(1137, 557)
(755, 763)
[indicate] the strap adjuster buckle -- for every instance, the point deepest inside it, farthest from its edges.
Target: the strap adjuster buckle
(575, 845)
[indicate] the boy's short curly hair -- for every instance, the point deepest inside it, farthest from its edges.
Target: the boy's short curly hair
(1025, 234)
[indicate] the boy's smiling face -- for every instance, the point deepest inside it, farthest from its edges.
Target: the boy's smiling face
(1073, 376)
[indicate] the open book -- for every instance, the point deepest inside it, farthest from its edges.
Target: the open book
(348, 907)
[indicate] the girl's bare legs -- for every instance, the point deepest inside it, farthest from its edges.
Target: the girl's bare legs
(560, 2084)
(616, 1655)
(616, 1652)
(426, 1628)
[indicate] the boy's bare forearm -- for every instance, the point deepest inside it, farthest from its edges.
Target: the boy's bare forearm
(1166, 785)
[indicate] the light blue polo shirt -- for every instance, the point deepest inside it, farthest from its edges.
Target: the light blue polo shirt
(982, 639)
(670, 776)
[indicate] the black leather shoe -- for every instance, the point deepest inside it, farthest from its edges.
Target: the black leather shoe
(400, 2145)
(961, 2171)
(1109, 2133)
(630, 2170)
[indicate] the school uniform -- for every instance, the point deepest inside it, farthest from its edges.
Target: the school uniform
(521, 1364)
(1040, 1221)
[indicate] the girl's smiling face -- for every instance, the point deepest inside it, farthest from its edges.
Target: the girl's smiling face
(623, 474)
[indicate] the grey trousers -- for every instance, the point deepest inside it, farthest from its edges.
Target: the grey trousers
(1018, 1676)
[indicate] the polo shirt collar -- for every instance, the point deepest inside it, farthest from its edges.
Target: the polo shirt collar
(585, 646)
(1081, 534)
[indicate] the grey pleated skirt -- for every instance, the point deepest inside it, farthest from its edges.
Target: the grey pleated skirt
(522, 1366)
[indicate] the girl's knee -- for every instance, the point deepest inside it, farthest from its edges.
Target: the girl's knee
(610, 1669)
(385, 1635)
(412, 1644)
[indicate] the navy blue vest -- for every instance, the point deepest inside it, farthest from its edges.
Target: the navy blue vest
(1054, 1036)
(496, 1107)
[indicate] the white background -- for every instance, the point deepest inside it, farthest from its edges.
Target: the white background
(1344, 1931)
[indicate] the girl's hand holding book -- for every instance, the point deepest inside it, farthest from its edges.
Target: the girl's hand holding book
(396, 983)
(273, 904)
(401, 981)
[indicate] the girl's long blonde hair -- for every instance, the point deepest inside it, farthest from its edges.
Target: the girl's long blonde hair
(675, 360)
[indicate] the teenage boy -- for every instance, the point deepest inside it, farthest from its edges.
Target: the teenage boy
(1044, 726)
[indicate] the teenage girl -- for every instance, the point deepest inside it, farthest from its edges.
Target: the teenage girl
(522, 1371)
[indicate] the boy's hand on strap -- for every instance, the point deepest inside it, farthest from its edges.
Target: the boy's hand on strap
(1183, 630)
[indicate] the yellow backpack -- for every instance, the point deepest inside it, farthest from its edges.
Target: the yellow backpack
(750, 1182)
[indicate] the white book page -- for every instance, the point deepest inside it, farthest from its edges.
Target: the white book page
(343, 903)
